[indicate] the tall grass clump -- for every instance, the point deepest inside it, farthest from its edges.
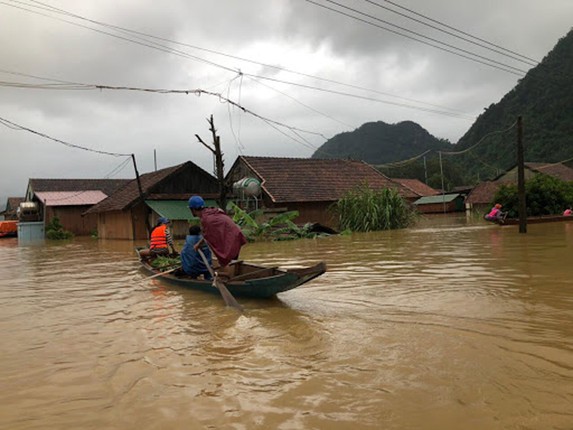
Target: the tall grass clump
(365, 209)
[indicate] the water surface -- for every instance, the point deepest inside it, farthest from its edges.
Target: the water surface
(452, 324)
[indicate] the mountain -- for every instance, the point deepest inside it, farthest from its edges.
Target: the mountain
(544, 99)
(379, 143)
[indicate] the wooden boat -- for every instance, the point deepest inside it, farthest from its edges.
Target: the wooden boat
(247, 280)
(539, 219)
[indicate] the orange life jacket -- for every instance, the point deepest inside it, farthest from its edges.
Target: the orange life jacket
(158, 237)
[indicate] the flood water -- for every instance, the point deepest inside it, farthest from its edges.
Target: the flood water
(448, 325)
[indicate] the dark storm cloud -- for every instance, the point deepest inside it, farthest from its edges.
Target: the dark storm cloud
(295, 35)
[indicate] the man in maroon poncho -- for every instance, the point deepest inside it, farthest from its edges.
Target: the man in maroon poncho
(222, 235)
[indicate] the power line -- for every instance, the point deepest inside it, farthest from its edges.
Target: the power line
(480, 141)
(492, 63)
(491, 46)
(166, 49)
(14, 126)
(459, 31)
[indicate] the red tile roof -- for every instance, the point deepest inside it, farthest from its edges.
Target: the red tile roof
(151, 183)
(312, 180)
(417, 186)
(557, 170)
(482, 193)
(128, 195)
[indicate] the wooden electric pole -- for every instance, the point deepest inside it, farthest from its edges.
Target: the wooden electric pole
(219, 164)
(522, 209)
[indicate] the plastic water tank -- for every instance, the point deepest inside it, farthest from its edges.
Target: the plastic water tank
(249, 186)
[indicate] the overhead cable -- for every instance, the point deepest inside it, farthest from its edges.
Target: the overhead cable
(166, 49)
(490, 62)
(492, 47)
(15, 126)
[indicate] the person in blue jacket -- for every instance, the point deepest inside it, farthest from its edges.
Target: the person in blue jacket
(191, 261)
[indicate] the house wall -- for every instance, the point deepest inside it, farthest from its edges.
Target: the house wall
(71, 219)
(115, 225)
(315, 212)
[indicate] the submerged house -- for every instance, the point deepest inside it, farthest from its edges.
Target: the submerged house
(308, 185)
(481, 196)
(417, 186)
(440, 203)
(10, 211)
(133, 210)
(68, 199)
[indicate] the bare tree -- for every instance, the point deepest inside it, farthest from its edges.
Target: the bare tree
(219, 164)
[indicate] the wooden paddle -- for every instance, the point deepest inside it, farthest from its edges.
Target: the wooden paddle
(164, 273)
(227, 296)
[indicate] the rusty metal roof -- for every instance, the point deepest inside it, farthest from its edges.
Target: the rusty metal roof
(107, 186)
(70, 198)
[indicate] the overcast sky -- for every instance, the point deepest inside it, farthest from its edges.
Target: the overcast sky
(303, 72)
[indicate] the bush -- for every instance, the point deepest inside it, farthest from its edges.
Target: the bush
(55, 230)
(544, 195)
(280, 227)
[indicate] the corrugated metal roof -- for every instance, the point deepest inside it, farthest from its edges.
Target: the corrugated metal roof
(70, 198)
(426, 200)
(174, 209)
(107, 186)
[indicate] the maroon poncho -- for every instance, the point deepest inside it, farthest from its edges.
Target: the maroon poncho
(224, 237)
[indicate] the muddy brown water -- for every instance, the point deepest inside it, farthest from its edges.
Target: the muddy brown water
(452, 324)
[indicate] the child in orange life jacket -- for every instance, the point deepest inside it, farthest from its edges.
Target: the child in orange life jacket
(160, 240)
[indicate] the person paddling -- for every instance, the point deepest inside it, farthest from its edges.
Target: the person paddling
(222, 235)
(496, 215)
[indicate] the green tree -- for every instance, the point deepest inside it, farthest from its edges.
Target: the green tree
(544, 195)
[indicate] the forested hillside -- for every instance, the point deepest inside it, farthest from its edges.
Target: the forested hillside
(544, 99)
(378, 143)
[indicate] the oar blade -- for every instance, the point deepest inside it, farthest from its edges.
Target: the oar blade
(226, 294)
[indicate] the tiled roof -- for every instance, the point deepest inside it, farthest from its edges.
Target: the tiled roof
(417, 186)
(70, 198)
(129, 194)
(312, 180)
(106, 186)
(483, 193)
(13, 202)
(557, 170)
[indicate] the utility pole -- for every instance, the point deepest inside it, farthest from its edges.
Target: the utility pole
(219, 164)
(142, 198)
(155, 159)
(443, 190)
(425, 170)
(521, 178)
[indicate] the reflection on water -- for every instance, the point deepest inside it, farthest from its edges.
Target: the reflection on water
(452, 324)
